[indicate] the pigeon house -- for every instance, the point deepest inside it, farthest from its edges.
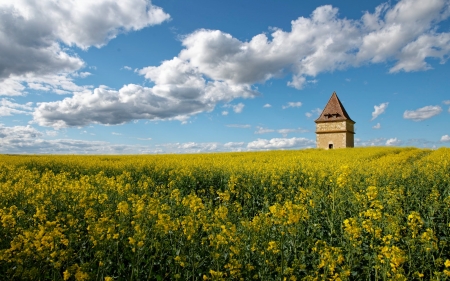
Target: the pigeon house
(334, 127)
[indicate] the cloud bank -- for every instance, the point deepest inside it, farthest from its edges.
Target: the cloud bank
(215, 67)
(34, 36)
(324, 42)
(164, 101)
(27, 139)
(280, 143)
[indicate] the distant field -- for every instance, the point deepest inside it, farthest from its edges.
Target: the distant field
(349, 214)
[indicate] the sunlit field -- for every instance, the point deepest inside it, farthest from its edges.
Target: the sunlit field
(349, 214)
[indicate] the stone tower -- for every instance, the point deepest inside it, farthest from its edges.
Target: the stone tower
(334, 128)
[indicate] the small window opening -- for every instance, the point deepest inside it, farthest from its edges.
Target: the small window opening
(330, 146)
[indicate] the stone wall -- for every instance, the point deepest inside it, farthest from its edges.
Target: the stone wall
(331, 126)
(350, 126)
(339, 133)
(350, 139)
(339, 140)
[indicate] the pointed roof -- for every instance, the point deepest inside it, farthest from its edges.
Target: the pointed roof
(333, 111)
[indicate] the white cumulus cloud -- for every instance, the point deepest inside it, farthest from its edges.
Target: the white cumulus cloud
(324, 42)
(379, 109)
(262, 130)
(445, 138)
(35, 35)
(280, 143)
(422, 113)
(370, 142)
(198, 147)
(61, 84)
(179, 92)
(18, 132)
(237, 108)
(447, 102)
(234, 144)
(51, 133)
(292, 104)
(315, 111)
(26, 139)
(8, 107)
(377, 126)
(393, 142)
(214, 66)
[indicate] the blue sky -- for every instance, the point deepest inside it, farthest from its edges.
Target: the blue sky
(207, 76)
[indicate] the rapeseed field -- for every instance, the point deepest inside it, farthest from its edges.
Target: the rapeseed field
(349, 214)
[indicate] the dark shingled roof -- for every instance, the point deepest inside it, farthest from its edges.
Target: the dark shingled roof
(333, 111)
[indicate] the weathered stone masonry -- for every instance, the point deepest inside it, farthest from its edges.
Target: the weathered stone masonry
(334, 127)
